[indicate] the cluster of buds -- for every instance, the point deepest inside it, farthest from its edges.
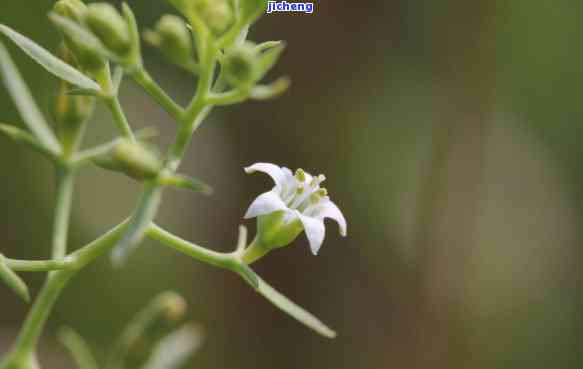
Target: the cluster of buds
(96, 33)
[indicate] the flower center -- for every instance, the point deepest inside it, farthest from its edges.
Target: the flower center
(304, 193)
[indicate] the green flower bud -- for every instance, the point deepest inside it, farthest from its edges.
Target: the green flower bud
(173, 305)
(70, 111)
(136, 160)
(87, 58)
(242, 65)
(132, 158)
(110, 27)
(72, 9)
(218, 15)
(173, 38)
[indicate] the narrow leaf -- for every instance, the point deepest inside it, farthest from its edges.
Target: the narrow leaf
(24, 102)
(78, 348)
(175, 349)
(13, 281)
(294, 310)
(50, 62)
(25, 138)
(248, 275)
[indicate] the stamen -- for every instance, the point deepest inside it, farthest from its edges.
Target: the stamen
(299, 201)
(300, 175)
(318, 195)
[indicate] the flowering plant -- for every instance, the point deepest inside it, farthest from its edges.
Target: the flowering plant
(101, 46)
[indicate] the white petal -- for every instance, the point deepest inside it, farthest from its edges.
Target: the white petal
(315, 231)
(272, 170)
(327, 209)
(265, 203)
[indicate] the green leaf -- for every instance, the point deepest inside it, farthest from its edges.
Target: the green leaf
(182, 181)
(25, 138)
(13, 281)
(247, 274)
(25, 103)
(294, 310)
(78, 348)
(175, 349)
(50, 62)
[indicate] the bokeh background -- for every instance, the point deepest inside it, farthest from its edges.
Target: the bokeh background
(449, 133)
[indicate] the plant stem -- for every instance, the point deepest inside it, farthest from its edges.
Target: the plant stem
(36, 265)
(119, 117)
(65, 185)
(194, 251)
(143, 78)
(27, 340)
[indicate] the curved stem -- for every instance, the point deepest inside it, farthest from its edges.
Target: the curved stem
(119, 117)
(197, 252)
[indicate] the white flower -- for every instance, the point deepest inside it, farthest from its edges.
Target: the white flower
(299, 197)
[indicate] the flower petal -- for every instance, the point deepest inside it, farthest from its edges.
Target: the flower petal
(272, 170)
(327, 209)
(315, 231)
(265, 203)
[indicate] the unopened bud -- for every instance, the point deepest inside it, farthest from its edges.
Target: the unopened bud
(75, 10)
(70, 111)
(173, 38)
(174, 305)
(242, 65)
(109, 26)
(71, 9)
(218, 15)
(132, 158)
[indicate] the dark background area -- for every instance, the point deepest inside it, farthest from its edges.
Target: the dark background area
(449, 133)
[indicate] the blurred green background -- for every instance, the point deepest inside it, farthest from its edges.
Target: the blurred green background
(448, 131)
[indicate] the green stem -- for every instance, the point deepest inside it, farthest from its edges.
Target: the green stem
(188, 248)
(65, 185)
(36, 265)
(193, 117)
(230, 261)
(143, 78)
(25, 346)
(119, 117)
